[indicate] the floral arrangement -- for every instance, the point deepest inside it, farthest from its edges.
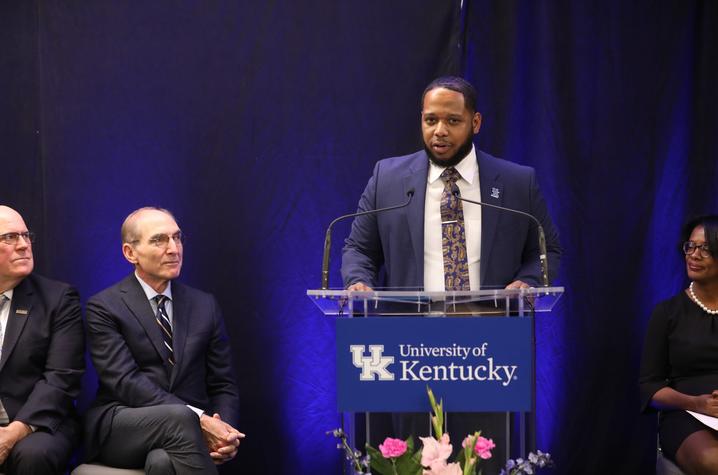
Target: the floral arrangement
(529, 466)
(398, 457)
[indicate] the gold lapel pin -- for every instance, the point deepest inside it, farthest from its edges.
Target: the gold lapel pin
(21, 311)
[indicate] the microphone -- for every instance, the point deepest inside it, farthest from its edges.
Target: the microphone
(328, 235)
(541, 236)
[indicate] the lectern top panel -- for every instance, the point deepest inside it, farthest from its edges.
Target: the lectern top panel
(411, 302)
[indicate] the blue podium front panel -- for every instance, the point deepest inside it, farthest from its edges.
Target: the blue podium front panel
(384, 364)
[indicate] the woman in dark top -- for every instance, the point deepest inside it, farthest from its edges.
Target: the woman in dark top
(679, 368)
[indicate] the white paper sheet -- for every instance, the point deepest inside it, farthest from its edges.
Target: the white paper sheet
(710, 421)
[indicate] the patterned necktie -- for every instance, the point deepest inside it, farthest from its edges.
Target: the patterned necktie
(3, 299)
(453, 235)
(163, 321)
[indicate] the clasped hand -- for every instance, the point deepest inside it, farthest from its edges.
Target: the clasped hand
(222, 439)
(707, 404)
(11, 435)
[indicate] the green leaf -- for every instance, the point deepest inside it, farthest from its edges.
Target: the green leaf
(407, 464)
(470, 468)
(470, 459)
(460, 458)
(437, 420)
(378, 463)
(469, 449)
(432, 399)
(410, 444)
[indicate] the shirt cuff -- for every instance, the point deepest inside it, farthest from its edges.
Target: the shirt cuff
(196, 410)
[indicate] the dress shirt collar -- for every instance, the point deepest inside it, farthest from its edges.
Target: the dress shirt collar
(467, 168)
(8, 294)
(5, 309)
(150, 292)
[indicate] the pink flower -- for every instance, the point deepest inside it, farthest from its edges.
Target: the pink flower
(483, 447)
(441, 468)
(392, 448)
(435, 450)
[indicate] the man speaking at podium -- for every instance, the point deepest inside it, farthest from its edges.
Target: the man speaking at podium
(438, 242)
(483, 247)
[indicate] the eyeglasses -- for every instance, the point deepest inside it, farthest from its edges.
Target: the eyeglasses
(163, 240)
(690, 246)
(13, 238)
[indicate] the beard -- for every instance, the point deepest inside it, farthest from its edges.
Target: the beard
(454, 160)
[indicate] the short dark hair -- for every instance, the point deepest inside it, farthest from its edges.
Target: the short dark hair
(453, 83)
(710, 226)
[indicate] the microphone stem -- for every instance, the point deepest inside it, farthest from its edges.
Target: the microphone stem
(328, 235)
(543, 257)
(325, 258)
(541, 235)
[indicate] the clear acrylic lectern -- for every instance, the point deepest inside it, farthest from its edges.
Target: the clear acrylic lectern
(486, 303)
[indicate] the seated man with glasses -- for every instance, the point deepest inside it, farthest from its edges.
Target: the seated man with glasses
(167, 399)
(41, 359)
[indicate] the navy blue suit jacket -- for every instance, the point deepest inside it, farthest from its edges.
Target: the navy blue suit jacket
(395, 239)
(126, 348)
(43, 354)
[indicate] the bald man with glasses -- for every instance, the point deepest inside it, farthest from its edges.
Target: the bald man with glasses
(41, 359)
(167, 400)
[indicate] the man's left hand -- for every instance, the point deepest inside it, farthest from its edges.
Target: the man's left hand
(11, 435)
(223, 454)
(222, 439)
(517, 284)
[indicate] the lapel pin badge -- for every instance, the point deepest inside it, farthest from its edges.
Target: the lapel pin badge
(21, 311)
(494, 193)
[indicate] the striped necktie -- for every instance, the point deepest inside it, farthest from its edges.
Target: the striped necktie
(453, 235)
(163, 321)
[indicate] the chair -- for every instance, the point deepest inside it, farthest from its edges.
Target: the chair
(665, 467)
(99, 469)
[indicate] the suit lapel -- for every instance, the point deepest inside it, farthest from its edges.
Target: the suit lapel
(415, 178)
(136, 301)
(180, 311)
(20, 312)
(492, 192)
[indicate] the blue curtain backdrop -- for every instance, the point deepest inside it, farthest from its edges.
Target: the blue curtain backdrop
(258, 122)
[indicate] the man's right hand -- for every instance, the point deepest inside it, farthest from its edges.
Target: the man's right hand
(359, 287)
(707, 404)
(222, 439)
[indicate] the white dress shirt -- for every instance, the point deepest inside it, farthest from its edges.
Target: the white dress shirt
(151, 294)
(470, 189)
(4, 315)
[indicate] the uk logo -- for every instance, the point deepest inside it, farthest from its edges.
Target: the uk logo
(374, 365)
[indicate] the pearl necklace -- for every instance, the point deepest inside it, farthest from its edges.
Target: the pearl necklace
(699, 303)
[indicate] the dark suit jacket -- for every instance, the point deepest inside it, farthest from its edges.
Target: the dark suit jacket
(126, 348)
(509, 242)
(43, 354)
